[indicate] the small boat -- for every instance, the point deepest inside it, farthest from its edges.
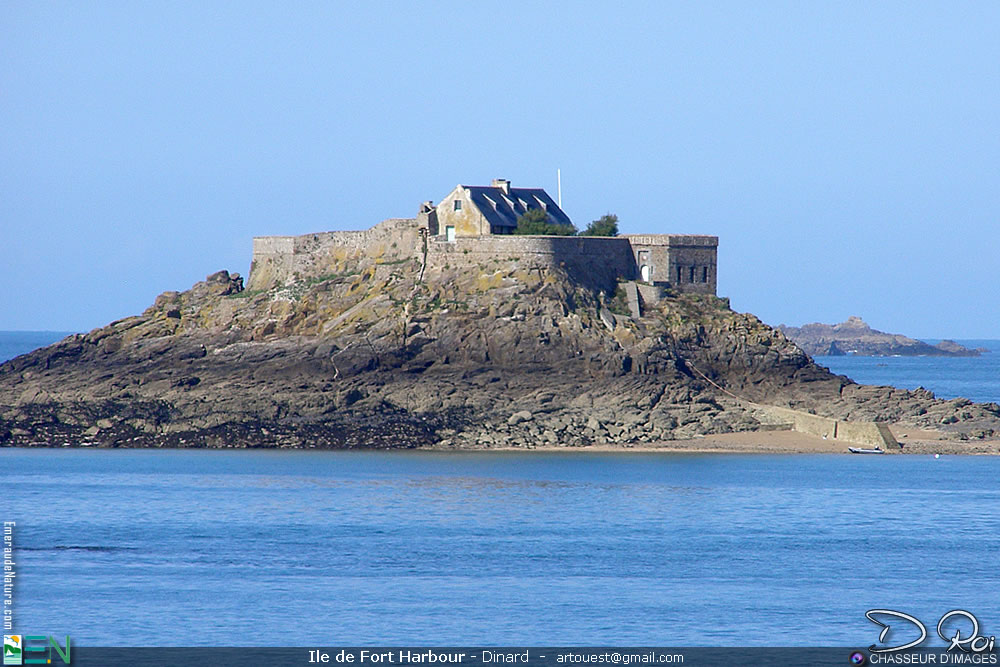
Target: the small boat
(862, 450)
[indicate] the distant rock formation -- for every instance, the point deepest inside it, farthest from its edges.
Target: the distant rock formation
(855, 337)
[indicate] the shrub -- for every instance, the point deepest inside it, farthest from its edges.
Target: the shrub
(606, 225)
(536, 223)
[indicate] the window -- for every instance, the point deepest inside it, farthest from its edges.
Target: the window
(458, 204)
(691, 275)
(704, 274)
(678, 274)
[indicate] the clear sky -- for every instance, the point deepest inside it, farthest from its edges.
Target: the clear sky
(847, 154)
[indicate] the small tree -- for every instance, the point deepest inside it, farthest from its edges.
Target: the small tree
(606, 225)
(535, 223)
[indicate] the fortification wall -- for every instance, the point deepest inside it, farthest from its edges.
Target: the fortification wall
(685, 262)
(596, 262)
(280, 260)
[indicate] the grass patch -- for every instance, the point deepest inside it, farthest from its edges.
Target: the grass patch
(245, 294)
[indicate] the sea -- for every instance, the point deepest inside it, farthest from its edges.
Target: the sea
(303, 548)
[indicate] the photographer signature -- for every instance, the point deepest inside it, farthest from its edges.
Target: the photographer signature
(971, 643)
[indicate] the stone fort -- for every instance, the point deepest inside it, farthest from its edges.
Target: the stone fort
(475, 224)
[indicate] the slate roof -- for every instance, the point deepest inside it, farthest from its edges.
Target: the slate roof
(503, 210)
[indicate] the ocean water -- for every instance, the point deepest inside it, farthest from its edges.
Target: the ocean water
(15, 343)
(293, 548)
(975, 378)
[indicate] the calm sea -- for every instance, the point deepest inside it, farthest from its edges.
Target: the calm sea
(278, 548)
(14, 343)
(354, 548)
(975, 378)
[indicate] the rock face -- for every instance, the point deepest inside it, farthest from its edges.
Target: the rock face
(855, 337)
(499, 354)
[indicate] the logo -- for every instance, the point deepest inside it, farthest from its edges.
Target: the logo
(971, 642)
(858, 658)
(33, 650)
(12, 649)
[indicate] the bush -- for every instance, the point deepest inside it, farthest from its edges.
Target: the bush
(606, 225)
(535, 223)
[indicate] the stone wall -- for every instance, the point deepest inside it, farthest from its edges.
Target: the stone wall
(685, 262)
(651, 294)
(866, 434)
(871, 434)
(594, 261)
(280, 260)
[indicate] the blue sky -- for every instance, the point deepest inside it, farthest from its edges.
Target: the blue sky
(846, 154)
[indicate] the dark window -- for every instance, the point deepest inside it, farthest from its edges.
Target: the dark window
(458, 204)
(678, 274)
(691, 275)
(704, 274)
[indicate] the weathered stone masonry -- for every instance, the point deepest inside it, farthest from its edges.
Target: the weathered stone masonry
(658, 261)
(281, 260)
(474, 225)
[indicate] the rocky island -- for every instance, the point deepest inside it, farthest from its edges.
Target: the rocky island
(854, 336)
(444, 330)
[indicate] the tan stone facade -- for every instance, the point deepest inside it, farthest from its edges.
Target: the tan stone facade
(474, 224)
(492, 210)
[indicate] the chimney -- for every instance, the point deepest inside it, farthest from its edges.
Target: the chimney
(503, 184)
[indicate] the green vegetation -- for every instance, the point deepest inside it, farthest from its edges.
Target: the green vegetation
(245, 294)
(618, 304)
(606, 225)
(535, 223)
(329, 276)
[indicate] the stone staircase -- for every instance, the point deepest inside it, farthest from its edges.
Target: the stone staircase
(632, 294)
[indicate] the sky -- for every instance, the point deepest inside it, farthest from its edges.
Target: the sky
(846, 154)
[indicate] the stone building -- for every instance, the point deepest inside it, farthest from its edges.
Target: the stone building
(479, 210)
(473, 225)
(685, 262)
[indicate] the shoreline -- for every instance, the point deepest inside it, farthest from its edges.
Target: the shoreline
(914, 442)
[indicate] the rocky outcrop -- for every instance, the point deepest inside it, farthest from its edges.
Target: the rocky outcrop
(380, 355)
(854, 336)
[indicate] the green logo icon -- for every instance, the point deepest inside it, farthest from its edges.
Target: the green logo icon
(12, 647)
(33, 650)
